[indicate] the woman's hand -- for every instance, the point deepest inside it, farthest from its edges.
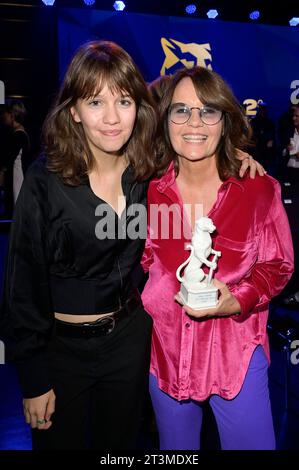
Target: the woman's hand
(38, 410)
(227, 304)
(249, 162)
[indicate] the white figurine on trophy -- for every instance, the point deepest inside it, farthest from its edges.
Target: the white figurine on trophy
(197, 288)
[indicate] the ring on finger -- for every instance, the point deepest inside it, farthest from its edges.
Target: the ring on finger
(41, 421)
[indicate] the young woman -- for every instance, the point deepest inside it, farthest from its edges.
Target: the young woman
(81, 338)
(219, 354)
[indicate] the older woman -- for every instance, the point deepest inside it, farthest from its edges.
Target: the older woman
(219, 354)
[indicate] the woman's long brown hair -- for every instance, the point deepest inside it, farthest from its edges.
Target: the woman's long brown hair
(95, 64)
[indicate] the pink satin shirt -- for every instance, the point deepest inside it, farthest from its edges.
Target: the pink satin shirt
(192, 358)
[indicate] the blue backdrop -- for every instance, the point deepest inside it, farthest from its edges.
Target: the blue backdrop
(260, 62)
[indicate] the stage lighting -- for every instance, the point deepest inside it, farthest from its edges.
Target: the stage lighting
(212, 14)
(254, 15)
(89, 2)
(294, 21)
(119, 6)
(49, 3)
(190, 9)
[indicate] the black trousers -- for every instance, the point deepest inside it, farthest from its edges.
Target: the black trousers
(100, 385)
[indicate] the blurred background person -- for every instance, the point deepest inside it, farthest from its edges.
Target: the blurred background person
(285, 127)
(264, 137)
(292, 149)
(16, 158)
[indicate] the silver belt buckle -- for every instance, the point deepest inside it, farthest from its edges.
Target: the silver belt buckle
(112, 323)
(108, 321)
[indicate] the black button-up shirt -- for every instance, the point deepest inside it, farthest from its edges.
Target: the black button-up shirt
(57, 261)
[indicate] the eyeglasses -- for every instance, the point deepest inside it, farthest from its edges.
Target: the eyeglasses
(180, 113)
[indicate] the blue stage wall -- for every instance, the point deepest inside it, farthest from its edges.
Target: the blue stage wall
(260, 62)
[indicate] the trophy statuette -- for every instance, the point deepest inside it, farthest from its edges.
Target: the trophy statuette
(197, 288)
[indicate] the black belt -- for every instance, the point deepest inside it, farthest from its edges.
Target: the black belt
(102, 326)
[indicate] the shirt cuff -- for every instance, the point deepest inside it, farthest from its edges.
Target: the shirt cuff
(33, 376)
(248, 298)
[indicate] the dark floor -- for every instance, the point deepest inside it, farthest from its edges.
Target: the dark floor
(283, 382)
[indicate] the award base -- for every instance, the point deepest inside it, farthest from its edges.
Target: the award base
(206, 297)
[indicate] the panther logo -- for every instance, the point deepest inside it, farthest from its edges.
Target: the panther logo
(177, 53)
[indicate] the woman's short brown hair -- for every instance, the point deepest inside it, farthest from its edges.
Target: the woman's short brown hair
(211, 89)
(158, 86)
(95, 64)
